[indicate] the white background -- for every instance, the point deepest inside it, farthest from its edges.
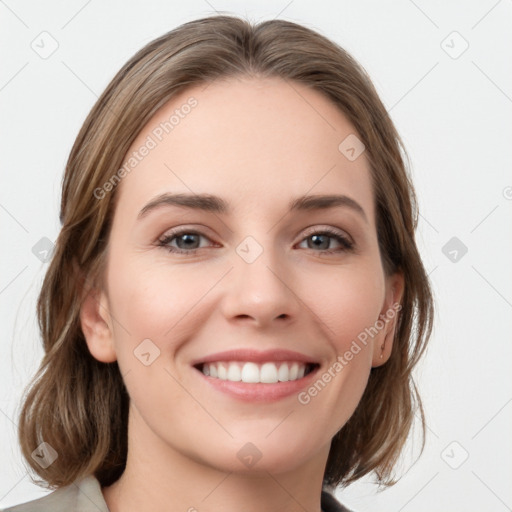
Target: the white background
(454, 116)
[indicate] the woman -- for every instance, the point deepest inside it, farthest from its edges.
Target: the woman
(269, 363)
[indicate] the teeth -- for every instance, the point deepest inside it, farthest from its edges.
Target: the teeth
(234, 373)
(250, 372)
(293, 371)
(269, 373)
(283, 373)
(222, 372)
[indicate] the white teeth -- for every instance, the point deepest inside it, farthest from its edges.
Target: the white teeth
(293, 371)
(234, 373)
(283, 373)
(250, 372)
(268, 373)
(221, 370)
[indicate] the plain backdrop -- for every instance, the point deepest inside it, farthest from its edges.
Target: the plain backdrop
(443, 70)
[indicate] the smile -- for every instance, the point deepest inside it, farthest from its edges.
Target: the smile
(251, 372)
(257, 375)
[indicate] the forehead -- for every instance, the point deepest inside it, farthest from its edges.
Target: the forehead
(256, 142)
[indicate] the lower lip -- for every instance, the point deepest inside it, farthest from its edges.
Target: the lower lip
(260, 392)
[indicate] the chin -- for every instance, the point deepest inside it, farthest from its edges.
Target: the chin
(263, 456)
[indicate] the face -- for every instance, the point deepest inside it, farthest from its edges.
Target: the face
(289, 290)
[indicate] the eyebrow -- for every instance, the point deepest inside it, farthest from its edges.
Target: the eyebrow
(215, 204)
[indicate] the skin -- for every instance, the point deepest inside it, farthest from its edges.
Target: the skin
(257, 143)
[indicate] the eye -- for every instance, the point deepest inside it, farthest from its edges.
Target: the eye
(321, 239)
(186, 240)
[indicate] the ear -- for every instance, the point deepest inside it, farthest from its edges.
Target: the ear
(383, 342)
(97, 327)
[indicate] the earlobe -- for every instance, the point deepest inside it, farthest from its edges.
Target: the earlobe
(96, 326)
(383, 343)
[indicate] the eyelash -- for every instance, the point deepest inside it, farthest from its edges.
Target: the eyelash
(347, 245)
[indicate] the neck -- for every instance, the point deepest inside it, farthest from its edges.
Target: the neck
(159, 478)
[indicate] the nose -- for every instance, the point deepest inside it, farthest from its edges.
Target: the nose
(260, 293)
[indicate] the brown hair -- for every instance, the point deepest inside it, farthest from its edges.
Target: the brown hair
(80, 405)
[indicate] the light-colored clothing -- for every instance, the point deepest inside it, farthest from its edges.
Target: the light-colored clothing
(82, 496)
(85, 496)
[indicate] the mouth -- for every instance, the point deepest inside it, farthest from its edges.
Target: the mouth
(249, 375)
(268, 372)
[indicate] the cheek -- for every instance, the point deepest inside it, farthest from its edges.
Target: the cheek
(152, 303)
(348, 303)
(348, 308)
(152, 299)
(153, 313)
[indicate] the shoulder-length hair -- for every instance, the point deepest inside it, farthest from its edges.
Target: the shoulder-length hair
(78, 404)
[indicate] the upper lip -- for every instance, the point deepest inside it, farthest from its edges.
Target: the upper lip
(256, 356)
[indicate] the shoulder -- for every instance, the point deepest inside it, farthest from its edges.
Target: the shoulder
(86, 496)
(330, 504)
(81, 496)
